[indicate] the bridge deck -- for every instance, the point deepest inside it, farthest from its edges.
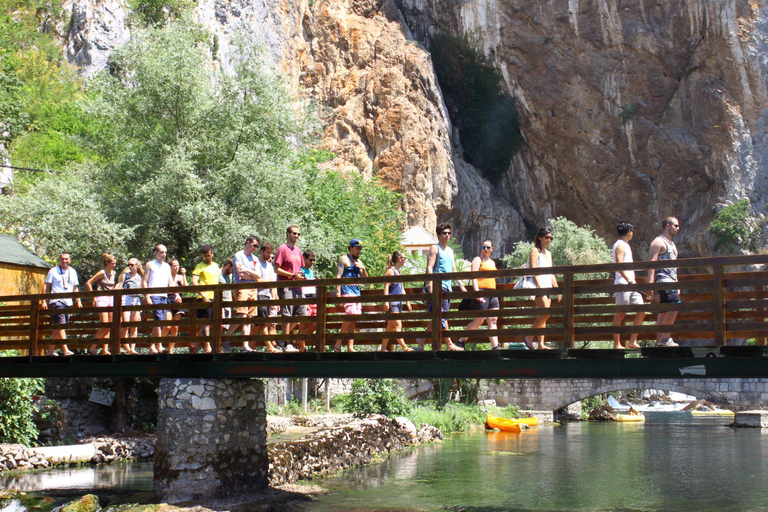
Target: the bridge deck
(724, 299)
(508, 364)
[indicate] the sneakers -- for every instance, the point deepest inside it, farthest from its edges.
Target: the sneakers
(669, 342)
(290, 348)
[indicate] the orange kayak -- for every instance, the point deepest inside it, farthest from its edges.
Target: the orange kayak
(510, 425)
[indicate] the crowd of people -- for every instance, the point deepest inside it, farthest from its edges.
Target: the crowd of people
(258, 262)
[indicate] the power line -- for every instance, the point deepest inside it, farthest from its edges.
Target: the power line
(27, 169)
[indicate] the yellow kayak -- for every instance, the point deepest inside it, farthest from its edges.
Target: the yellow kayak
(510, 425)
(716, 412)
(630, 417)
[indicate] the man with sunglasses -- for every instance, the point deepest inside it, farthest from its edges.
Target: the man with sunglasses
(288, 263)
(61, 279)
(664, 249)
(440, 260)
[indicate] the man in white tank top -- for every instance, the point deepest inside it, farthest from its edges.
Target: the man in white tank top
(157, 274)
(622, 253)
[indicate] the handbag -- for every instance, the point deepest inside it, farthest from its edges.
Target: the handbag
(525, 283)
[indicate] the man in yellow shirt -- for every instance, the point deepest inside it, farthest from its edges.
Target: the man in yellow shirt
(205, 273)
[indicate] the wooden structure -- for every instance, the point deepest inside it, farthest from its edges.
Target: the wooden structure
(21, 271)
(723, 299)
(416, 241)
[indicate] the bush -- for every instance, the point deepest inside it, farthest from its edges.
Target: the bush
(16, 410)
(734, 226)
(377, 396)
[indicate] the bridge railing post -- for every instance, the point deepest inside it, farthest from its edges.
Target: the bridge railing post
(116, 325)
(568, 302)
(218, 299)
(719, 296)
(321, 297)
(761, 311)
(437, 300)
(34, 327)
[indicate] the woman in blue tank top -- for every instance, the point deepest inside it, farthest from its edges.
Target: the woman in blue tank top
(394, 305)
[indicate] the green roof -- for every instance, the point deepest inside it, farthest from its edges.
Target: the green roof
(12, 251)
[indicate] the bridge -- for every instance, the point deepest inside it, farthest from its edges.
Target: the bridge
(210, 396)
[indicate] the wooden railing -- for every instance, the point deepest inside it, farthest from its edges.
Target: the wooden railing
(722, 298)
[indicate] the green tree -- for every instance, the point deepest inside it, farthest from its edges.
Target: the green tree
(735, 227)
(16, 421)
(186, 154)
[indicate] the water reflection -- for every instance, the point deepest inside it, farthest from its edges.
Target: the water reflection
(120, 476)
(671, 462)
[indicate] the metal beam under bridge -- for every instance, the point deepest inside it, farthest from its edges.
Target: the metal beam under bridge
(683, 363)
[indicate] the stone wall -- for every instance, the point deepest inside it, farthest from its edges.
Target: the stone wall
(554, 394)
(329, 450)
(211, 438)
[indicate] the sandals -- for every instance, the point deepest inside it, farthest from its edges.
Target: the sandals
(528, 343)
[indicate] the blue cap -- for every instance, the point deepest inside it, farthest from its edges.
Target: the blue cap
(355, 243)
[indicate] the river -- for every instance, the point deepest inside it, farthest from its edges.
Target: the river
(672, 462)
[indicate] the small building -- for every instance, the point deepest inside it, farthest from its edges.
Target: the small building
(22, 272)
(417, 241)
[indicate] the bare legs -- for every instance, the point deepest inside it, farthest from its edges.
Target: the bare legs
(101, 334)
(542, 301)
(395, 326)
(618, 320)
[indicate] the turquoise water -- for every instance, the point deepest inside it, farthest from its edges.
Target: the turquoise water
(672, 462)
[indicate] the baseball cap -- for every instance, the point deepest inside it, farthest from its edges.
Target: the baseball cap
(355, 243)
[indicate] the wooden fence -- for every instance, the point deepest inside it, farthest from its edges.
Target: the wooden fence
(722, 298)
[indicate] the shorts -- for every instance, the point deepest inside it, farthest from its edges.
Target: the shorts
(291, 309)
(669, 297)
(159, 314)
(246, 294)
(444, 307)
(490, 303)
(262, 311)
(61, 318)
(204, 313)
(131, 300)
(226, 312)
(104, 302)
(352, 308)
(627, 298)
(395, 307)
(311, 308)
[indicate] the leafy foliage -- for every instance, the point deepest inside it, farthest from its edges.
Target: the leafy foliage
(156, 13)
(571, 245)
(734, 226)
(184, 154)
(39, 94)
(487, 119)
(377, 396)
(16, 410)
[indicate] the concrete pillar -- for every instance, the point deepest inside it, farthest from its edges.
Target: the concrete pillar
(211, 438)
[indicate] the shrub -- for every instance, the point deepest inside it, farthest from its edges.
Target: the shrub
(377, 396)
(16, 410)
(734, 226)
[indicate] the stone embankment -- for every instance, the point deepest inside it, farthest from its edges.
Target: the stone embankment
(276, 424)
(331, 449)
(95, 451)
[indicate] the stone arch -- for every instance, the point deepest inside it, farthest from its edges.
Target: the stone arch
(738, 394)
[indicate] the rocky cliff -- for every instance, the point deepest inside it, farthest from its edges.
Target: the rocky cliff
(630, 110)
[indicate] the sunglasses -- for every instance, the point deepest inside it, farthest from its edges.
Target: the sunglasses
(445, 233)
(311, 259)
(295, 233)
(548, 238)
(487, 247)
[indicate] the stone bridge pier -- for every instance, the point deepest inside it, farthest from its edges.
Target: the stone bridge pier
(737, 394)
(211, 438)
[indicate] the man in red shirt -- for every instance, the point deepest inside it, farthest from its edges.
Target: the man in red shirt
(288, 263)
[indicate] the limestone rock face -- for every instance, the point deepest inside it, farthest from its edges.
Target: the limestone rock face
(95, 30)
(630, 111)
